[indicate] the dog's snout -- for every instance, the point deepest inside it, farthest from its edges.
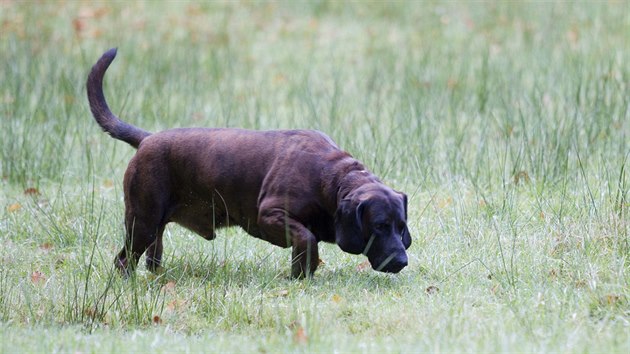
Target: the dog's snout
(392, 264)
(397, 265)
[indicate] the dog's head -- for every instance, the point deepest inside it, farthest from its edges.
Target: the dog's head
(372, 220)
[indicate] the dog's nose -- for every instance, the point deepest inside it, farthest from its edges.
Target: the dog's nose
(395, 264)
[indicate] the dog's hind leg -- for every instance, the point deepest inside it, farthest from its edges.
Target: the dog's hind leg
(146, 215)
(154, 252)
(142, 234)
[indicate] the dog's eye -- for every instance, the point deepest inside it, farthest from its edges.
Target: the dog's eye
(381, 226)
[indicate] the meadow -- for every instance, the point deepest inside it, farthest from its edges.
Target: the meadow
(506, 123)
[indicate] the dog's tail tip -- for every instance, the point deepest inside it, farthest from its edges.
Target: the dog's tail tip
(110, 54)
(100, 110)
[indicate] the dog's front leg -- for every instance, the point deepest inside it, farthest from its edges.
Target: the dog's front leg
(305, 255)
(282, 230)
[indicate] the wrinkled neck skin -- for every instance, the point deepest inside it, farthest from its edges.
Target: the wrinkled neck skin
(353, 180)
(346, 179)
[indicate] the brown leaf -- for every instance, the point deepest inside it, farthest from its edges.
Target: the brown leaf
(88, 12)
(432, 289)
(78, 24)
(279, 79)
(38, 277)
(157, 320)
(612, 299)
(521, 177)
(175, 305)
(46, 246)
(364, 266)
(282, 293)
(14, 207)
(580, 283)
(441, 204)
(194, 10)
(573, 36)
(90, 312)
(31, 191)
(300, 336)
(169, 287)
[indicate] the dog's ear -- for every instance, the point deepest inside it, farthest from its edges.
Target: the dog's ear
(406, 236)
(348, 226)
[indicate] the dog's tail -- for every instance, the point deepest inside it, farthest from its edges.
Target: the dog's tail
(101, 112)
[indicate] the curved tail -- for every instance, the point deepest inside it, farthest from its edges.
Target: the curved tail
(101, 112)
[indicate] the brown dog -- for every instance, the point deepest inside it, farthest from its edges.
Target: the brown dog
(288, 187)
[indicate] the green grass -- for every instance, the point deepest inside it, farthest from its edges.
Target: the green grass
(507, 124)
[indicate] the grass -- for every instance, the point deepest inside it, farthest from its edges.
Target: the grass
(507, 124)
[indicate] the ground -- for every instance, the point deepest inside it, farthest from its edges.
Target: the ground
(506, 123)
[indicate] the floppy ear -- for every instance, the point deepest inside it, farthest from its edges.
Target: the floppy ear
(348, 229)
(406, 236)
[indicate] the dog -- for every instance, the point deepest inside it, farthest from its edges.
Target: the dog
(292, 188)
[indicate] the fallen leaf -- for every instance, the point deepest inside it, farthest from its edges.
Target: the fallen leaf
(521, 177)
(175, 305)
(432, 289)
(14, 207)
(300, 336)
(38, 277)
(90, 312)
(88, 12)
(336, 298)
(46, 246)
(194, 10)
(279, 79)
(573, 36)
(31, 191)
(470, 24)
(313, 24)
(157, 320)
(169, 287)
(364, 266)
(613, 299)
(441, 204)
(78, 24)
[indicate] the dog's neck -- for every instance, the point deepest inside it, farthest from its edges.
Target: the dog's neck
(352, 180)
(348, 179)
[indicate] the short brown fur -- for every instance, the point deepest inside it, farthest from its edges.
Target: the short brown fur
(292, 188)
